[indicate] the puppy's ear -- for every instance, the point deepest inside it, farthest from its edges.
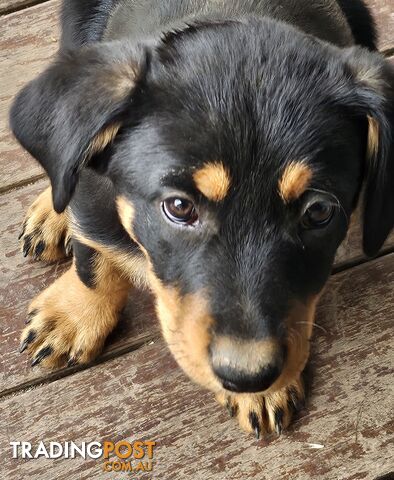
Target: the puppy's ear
(74, 109)
(374, 78)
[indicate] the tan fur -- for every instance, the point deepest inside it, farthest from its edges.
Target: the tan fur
(294, 181)
(373, 138)
(299, 330)
(102, 139)
(186, 326)
(247, 356)
(75, 320)
(263, 406)
(42, 223)
(131, 266)
(213, 181)
(126, 213)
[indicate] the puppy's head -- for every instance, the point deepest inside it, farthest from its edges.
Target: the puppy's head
(238, 150)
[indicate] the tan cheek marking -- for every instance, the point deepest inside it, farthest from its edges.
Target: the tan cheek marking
(373, 138)
(186, 325)
(299, 330)
(126, 214)
(213, 181)
(294, 181)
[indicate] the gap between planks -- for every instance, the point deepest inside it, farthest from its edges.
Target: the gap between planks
(23, 5)
(137, 343)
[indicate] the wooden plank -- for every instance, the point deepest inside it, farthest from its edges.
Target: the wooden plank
(383, 13)
(350, 251)
(28, 39)
(8, 6)
(22, 279)
(143, 395)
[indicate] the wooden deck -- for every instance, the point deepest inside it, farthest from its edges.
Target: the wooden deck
(136, 391)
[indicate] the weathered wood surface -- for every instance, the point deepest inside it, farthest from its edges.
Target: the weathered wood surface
(28, 39)
(9, 6)
(383, 13)
(22, 279)
(144, 395)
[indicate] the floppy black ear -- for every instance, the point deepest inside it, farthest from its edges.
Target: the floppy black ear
(375, 96)
(74, 109)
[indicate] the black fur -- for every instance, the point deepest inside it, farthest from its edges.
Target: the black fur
(361, 22)
(251, 85)
(84, 263)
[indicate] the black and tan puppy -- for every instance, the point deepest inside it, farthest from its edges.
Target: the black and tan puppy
(214, 151)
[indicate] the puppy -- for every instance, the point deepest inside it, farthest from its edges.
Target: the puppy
(212, 151)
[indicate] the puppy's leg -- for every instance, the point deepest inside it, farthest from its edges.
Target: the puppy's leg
(260, 413)
(70, 320)
(45, 233)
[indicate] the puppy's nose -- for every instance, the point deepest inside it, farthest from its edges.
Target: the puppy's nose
(247, 366)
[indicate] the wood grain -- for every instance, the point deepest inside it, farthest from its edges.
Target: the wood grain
(144, 395)
(9, 6)
(383, 13)
(28, 39)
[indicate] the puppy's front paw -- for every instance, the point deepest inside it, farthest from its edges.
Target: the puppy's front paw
(45, 233)
(67, 324)
(260, 413)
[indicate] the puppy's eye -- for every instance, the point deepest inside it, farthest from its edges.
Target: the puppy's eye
(317, 215)
(180, 211)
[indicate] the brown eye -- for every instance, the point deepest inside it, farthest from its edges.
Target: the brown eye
(180, 210)
(317, 215)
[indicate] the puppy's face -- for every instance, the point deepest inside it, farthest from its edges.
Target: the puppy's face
(238, 183)
(239, 159)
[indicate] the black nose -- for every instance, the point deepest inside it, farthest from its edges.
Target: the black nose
(248, 368)
(238, 381)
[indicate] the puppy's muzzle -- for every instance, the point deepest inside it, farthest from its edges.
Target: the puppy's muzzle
(247, 366)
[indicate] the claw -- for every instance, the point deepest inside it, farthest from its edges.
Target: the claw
(279, 421)
(30, 337)
(295, 402)
(232, 409)
(71, 362)
(254, 421)
(30, 316)
(39, 249)
(43, 353)
(27, 246)
(23, 230)
(68, 248)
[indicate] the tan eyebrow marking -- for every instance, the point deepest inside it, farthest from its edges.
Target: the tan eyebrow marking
(213, 181)
(373, 138)
(295, 180)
